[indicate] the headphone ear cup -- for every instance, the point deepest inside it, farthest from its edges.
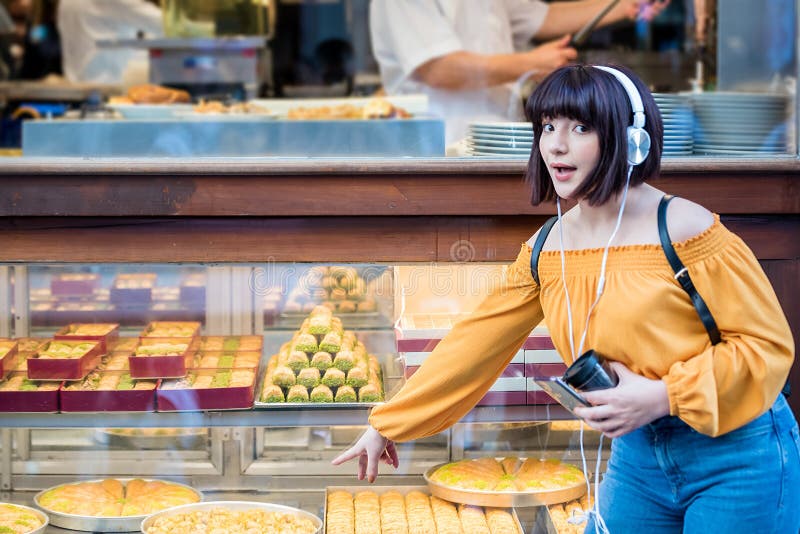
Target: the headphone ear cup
(638, 145)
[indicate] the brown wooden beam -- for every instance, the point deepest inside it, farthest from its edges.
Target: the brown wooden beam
(312, 239)
(378, 194)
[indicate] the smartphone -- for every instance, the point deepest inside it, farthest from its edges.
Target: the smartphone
(562, 392)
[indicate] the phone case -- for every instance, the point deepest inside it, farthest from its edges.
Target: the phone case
(562, 392)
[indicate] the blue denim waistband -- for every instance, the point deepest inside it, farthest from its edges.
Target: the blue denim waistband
(779, 411)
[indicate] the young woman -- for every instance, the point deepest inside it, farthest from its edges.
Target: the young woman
(704, 439)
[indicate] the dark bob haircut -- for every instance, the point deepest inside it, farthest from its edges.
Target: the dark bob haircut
(598, 100)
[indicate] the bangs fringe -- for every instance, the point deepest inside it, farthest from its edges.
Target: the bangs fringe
(569, 94)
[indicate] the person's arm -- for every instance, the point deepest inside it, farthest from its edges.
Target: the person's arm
(465, 364)
(736, 380)
(727, 384)
(568, 17)
(458, 372)
(464, 70)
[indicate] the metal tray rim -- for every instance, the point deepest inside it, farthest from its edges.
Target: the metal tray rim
(498, 498)
(148, 521)
(98, 523)
(40, 514)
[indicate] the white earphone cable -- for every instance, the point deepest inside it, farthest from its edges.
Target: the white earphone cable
(601, 281)
(594, 509)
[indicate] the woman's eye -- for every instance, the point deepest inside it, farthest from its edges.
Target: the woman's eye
(547, 127)
(582, 128)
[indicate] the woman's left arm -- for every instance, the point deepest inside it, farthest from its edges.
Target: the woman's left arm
(728, 384)
(733, 382)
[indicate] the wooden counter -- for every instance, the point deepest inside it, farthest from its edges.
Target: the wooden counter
(350, 210)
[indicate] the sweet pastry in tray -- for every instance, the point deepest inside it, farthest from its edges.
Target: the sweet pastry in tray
(156, 94)
(509, 474)
(18, 519)
(205, 379)
(327, 360)
(376, 108)
(111, 497)
(18, 381)
(413, 513)
(219, 519)
(65, 350)
(109, 381)
(570, 517)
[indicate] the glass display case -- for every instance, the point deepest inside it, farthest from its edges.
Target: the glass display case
(284, 79)
(267, 450)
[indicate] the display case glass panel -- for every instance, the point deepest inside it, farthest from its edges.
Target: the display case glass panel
(279, 79)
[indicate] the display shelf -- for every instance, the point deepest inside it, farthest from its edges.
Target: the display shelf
(260, 418)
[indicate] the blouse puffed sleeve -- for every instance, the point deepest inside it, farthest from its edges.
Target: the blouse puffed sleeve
(733, 382)
(465, 364)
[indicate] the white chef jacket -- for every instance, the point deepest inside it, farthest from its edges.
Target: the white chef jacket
(83, 22)
(408, 33)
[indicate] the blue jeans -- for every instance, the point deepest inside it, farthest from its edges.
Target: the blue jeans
(666, 477)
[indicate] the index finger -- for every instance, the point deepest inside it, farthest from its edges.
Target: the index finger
(347, 455)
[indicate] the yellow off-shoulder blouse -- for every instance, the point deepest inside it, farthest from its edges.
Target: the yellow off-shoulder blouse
(644, 320)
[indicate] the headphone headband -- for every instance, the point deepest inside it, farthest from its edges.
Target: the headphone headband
(637, 137)
(633, 94)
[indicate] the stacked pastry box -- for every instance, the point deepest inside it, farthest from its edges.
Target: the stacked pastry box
(322, 363)
(222, 376)
(567, 518)
(109, 386)
(45, 365)
(420, 333)
(166, 350)
(411, 509)
(132, 289)
(18, 393)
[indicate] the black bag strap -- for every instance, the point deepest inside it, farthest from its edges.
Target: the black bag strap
(682, 274)
(537, 247)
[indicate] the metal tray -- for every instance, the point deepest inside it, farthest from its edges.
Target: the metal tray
(502, 499)
(403, 490)
(231, 505)
(186, 438)
(99, 524)
(38, 513)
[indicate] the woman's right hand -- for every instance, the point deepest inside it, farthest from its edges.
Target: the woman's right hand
(370, 448)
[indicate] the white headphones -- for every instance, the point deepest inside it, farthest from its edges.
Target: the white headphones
(637, 136)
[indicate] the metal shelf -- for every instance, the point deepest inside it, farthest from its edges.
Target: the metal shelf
(260, 418)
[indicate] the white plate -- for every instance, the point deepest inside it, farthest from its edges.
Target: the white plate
(748, 148)
(494, 137)
(223, 117)
(503, 125)
(518, 145)
(745, 128)
(151, 111)
(717, 152)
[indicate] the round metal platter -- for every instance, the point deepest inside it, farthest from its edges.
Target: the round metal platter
(234, 506)
(502, 499)
(38, 513)
(90, 523)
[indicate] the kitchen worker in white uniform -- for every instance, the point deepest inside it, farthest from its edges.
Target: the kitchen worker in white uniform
(467, 54)
(81, 23)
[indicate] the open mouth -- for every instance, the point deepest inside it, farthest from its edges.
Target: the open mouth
(562, 172)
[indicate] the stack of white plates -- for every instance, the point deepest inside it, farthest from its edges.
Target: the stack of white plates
(500, 139)
(676, 113)
(739, 123)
